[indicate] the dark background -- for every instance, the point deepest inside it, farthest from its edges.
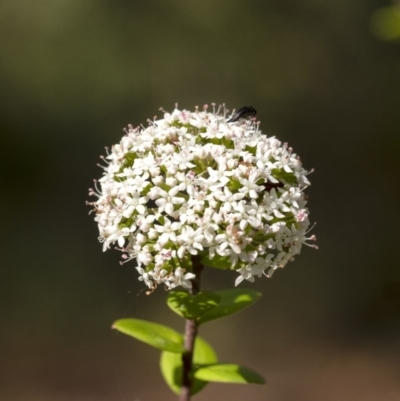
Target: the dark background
(73, 73)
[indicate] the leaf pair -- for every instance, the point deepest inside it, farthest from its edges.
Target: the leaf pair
(206, 369)
(207, 306)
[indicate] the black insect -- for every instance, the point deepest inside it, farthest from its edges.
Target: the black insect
(269, 185)
(243, 112)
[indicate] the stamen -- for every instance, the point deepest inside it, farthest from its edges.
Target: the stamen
(311, 245)
(101, 166)
(311, 229)
(233, 112)
(225, 109)
(104, 159)
(130, 129)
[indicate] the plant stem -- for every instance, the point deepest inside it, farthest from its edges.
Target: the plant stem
(191, 329)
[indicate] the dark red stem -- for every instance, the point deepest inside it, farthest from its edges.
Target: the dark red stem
(191, 329)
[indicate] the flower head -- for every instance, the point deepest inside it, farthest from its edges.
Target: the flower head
(193, 183)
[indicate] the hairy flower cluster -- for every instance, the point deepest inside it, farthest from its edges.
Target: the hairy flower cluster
(194, 184)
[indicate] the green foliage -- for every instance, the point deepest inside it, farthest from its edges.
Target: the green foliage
(171, 365)
(154, 334)
(228, 373)
(386, 23)
(202, 307)
(282, 175)
(231, 301)
(192, 306)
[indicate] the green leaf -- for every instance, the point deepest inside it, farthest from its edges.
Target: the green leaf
(229, 373)
(156, 335)
(171, 366)
(231, 301)
(217, 262)
(192, 306)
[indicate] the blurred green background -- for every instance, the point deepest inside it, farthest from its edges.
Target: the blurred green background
(73, 73)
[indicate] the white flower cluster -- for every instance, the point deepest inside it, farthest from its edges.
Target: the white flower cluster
(194, 184)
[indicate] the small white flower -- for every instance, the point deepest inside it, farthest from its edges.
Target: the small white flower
(245, 274)
(228, 198)
(132, 203)
(167, 231)
(218, 178)
(138, 184)
(190, 240)
(145, 277)
(168, 199)
(250, 186)
(181, 278)
(230, 239)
